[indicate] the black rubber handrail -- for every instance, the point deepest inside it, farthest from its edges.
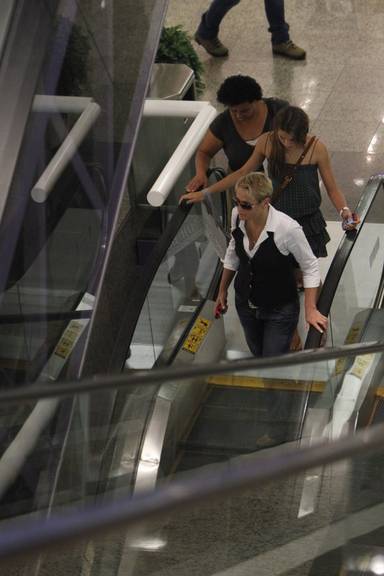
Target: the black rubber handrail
(341, 257)
(143, 286)
(335, 272)
(140, 292)
(219, 173)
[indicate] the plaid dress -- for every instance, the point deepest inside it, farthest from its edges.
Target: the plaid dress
(301, 200)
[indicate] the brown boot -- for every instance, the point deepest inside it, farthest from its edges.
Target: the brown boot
(289, 50)
(212, 45)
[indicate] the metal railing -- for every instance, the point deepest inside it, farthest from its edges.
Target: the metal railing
(88, 111)
(203, 114)
(160, 375)
(39, 536)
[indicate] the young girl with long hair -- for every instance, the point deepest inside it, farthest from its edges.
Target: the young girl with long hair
(295, 161)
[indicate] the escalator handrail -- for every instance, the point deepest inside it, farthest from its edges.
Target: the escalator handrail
(219, 173)
(178, 373)
(143, 285)
(341, 257)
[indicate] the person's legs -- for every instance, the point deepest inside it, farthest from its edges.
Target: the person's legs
(207, 33)
(211, 19)
(279, 29)
(279, 327)
(252, 326)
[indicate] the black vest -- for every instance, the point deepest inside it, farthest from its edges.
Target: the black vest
(268, 278)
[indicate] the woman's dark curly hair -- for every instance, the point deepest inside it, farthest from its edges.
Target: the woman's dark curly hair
(238, 89)
(295, 122)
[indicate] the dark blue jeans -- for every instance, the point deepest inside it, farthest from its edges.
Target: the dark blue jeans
(274, 10)
(268, 331)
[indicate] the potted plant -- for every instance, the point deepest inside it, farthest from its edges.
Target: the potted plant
(175, 46)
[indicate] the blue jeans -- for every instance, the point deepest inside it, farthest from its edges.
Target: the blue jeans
(268, 331)
(274, 10)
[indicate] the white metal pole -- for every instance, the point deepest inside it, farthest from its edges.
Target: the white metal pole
(64, 104)
(181, 156)
(68, 148)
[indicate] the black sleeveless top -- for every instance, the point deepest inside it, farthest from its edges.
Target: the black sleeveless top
(301, 201)
(268, 278)
(236, 149)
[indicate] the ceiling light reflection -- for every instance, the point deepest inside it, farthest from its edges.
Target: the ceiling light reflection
(148, 543)
(372, 144)
(305, 103)
(377, 564)
(358, 181)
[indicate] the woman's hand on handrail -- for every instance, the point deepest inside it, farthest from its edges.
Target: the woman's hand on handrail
(314, 318)
(192, 197)
(349, 219)
(198, 182)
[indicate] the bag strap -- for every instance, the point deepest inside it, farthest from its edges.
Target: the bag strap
(289, 176)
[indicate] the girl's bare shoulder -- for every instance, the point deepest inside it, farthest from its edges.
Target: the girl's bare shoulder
(319, 149)
(264, 142)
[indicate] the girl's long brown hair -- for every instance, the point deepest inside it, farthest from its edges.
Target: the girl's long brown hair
(295, 122)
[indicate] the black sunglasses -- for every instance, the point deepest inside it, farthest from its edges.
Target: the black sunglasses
(243, 205)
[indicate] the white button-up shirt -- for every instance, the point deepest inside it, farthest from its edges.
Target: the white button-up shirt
(289, 238)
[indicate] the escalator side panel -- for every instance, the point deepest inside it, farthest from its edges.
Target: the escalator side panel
(116, 276)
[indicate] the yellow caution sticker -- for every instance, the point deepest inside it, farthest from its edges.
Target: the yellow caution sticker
(354, 333)
(353, 336)
(197, 334)
(68, 339)
(341, 366)
(361, 365)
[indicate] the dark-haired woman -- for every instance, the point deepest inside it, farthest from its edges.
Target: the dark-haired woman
(301, 197)
(236, 130)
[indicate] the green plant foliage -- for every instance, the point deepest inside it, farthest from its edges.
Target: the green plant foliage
(175, 47)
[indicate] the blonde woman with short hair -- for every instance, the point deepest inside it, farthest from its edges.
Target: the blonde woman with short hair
(261, 257)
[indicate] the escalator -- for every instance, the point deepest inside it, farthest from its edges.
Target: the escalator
(201, 421)
(162, 431)
(146, 444)
(217, 422)
(221, 417)
(296, 527)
